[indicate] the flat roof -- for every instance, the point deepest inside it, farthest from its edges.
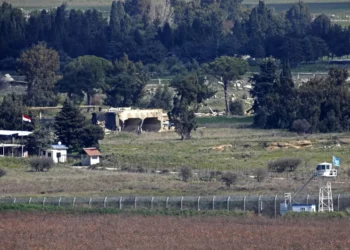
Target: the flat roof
(14, 132)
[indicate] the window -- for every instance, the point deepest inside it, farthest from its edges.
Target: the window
(302, 209)
(49, 154)
(94, 157)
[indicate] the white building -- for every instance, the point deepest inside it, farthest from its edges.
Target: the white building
(57, 152)
(91, 157)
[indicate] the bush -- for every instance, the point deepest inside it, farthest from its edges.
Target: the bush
(2, 173)
(229, 178)
(281, 165)
(185, 173)
(301, 126)
(41, 164)
(261, 174)
(237, 107)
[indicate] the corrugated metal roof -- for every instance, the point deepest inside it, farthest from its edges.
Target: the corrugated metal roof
(14, 132)
(92, 151)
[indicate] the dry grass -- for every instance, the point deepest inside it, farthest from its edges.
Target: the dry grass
(59, 231)
(165, 151)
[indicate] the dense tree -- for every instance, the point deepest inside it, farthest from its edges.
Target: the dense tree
(73, 130)
(227, 69)
(299, 19)
(148, 31)
(274, 96)
(11, 111)
(119, 22)
(126, 86)
(39, 140)
(39, 64)
(191, 91)
(85, 74)
(162, 98)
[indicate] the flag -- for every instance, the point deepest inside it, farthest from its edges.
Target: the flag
(336, 161)
(26, 118)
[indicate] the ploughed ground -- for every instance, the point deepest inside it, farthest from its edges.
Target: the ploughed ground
(28, 230)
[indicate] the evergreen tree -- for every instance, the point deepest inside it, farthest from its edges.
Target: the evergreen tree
(39, 64)
(227, 69)
(126, 86)
(73, 130)
(85, 74)
(11, 111)
(162, 99)
(191, 91)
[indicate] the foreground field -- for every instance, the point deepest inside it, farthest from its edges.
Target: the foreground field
(58, 231)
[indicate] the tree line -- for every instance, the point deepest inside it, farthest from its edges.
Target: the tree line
(319, 105)
(190, 30)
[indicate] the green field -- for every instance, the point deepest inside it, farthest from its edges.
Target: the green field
(130, 164)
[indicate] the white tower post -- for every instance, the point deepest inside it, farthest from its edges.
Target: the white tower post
(325, 199)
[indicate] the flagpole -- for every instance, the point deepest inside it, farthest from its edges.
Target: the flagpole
(22, 136)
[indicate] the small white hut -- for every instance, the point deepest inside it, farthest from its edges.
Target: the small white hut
(57, 152)
(90, 157)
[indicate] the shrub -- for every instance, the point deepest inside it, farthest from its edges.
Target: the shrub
(229, 178)
(301, 126)
(185, 173)
(281, 165)
(41, 164)
(2, 173)
(237, 107)
(261, 174)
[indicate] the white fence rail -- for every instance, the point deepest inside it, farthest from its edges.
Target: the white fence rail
(262, 205)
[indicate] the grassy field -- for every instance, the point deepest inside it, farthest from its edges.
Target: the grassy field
(21, 230)
(241, 150)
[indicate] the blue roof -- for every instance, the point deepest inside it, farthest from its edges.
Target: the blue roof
(58, 146)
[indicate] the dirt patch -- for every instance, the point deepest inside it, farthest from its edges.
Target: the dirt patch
(291, 144)
(221, 147)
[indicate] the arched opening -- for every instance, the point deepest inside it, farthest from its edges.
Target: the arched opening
(132, 124)
(151, 125)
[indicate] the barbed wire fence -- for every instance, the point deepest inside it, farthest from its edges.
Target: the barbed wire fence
(261, 205)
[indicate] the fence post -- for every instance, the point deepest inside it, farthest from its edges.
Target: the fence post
(90, 201)
(182, 198)
(105, 203)
(228, 203)
(213, 202)
(338, 201)
(152, 202)
(135, 202)
(30, 199)
(276, 206)
(120, 203)
(244, 203)
(259, 199)
(307, 199)
(198, 207)
(59, 201)
(74, 201)
(44, 201)
(167, 202)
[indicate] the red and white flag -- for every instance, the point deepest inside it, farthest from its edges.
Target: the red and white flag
(26, 118)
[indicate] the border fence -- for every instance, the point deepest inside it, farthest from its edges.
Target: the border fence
(267, 205)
